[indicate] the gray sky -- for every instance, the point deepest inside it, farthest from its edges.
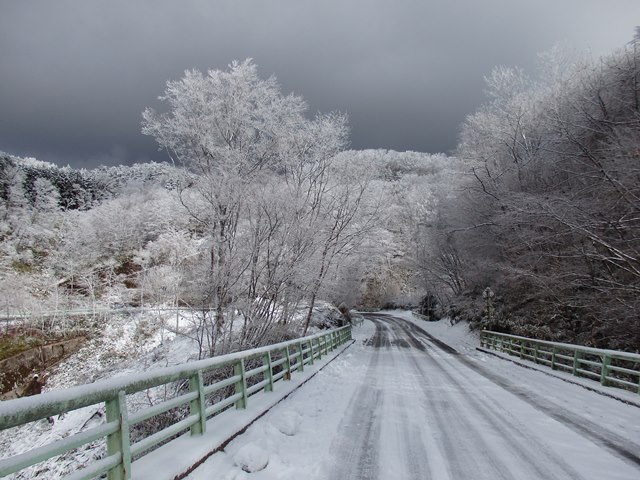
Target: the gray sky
(76, 75)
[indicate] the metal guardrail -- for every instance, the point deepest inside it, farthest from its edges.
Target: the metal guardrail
(610, 367)
(266, 365)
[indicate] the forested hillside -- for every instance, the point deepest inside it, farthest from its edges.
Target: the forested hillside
(263, 216)
(128, 226)
(550, 218)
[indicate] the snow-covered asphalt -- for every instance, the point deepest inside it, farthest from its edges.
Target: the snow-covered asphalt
(400, 404)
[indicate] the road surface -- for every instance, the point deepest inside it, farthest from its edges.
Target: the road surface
(403, 405)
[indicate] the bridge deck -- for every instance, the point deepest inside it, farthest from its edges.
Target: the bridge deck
(399, 404)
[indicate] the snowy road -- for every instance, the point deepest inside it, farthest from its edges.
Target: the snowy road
(402, 405)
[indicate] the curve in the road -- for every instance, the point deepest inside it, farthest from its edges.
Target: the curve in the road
(457, 433)
(608, 439)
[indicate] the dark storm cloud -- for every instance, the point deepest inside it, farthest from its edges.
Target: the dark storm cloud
(75, 75)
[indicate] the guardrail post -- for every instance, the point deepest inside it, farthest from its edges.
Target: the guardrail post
(300, 357)
(311, 351)
(576, 362)
(553, 358)
(268, 373)
(522, 348)
(196, 406)
(287, 364)
(535, 352)
(118, 441)
(604, 371)
(241, 384)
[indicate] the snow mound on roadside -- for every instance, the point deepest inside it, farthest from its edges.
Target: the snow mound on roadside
(288, 423)
(251, 458)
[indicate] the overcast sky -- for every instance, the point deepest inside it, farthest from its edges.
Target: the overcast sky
(76, 75)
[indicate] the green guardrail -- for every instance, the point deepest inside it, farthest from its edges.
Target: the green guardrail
(610, 367)
(244, 373)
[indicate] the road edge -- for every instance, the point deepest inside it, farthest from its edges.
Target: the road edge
(242, 430)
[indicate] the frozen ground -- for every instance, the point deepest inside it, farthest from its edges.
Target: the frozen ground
(397, 404)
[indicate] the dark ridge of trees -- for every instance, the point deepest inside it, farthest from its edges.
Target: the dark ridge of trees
(80, 189)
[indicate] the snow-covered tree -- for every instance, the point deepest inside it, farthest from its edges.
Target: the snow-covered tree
(549, 217)
(241, 137)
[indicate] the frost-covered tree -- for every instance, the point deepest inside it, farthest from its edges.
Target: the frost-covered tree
(46, 197)
(550, 220)
(411, 188)
(260, 179)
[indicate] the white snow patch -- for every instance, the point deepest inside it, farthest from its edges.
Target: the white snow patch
(288, 423)
(251, 458)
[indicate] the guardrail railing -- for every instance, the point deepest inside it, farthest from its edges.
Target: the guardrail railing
(610, 367)
(211, 385)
